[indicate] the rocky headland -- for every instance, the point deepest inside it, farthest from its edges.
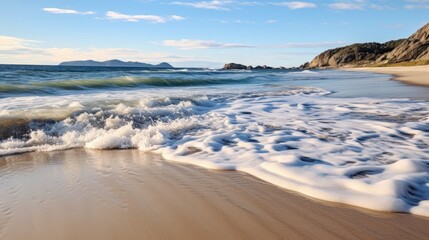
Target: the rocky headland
(404, 52)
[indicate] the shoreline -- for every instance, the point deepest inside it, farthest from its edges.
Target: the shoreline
(415, 75)
(127, 194)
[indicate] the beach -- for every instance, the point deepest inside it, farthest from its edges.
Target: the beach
(126, 194)
(416, 75)
(111, 153)
(214, 119)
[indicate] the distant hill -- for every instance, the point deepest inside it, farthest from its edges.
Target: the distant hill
(413, 50)
(114, 63)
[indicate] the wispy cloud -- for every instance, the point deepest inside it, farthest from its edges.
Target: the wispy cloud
(312, 45)
(223, 5)
(362, 5)
(20, 50)
(296, 5)
(136, 18)
(188, 44)
(417, 4)
(214, 5)
(66, 11)
(8, 43)
(354, 5)
(379, 7)
(177, 18)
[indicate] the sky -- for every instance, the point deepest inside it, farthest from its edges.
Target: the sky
(190, 33)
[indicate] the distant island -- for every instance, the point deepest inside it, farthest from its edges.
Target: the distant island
(412, 51)
(115, 63)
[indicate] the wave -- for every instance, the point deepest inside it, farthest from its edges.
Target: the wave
(119, 82)
(364, 152)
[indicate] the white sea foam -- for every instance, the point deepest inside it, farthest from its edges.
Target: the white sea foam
(364, 152)
(308, 72)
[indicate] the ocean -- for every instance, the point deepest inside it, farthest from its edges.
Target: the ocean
(349, 137)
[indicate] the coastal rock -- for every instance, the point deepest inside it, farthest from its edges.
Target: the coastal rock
(305, 65)
(414, 48)
(263, 67)
(359, 54)
(234, 66)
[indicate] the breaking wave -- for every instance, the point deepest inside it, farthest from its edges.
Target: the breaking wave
(115, 83)
(364, 152)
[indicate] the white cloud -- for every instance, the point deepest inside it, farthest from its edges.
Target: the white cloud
(134, 18)
(66, 11)
(296, 5)
(25, 51)
(214, 5)
(357, 5)
(417, 1)
(271, 21)
(363, 4)
(200, 44)
(224, 5)
(177, 18)
(312, 45)
(379, 7)
(13, 43)
(417, 6)
(189, 44)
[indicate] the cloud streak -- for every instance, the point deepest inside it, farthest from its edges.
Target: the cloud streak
(296, 5)
(111, 15)
(312, 45)
(213, 5)
(25, 51)
(66, 11)
(13, 43)
(354, 5)
(189, 44)
(417, 4)
(223, 5)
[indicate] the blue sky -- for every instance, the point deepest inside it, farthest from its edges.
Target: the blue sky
(197, 33)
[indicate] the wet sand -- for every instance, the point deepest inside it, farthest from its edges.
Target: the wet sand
(416, 75)
(83, 194)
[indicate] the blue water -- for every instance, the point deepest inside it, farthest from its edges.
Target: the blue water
(31, 80)
(351, 137)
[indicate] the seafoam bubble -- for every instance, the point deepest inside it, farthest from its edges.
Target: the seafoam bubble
(366, 152)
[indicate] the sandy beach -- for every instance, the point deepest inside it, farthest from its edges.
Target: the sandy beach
(126, 194)
(417, 75)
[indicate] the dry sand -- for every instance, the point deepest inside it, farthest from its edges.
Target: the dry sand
(416, 75)
(81, 194)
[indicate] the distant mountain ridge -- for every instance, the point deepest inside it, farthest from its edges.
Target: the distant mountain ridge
(114, 63)
(413, 49)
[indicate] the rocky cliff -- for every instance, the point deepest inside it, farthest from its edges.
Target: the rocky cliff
(414, 48)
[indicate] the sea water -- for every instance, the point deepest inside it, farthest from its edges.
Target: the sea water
(348, 137)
